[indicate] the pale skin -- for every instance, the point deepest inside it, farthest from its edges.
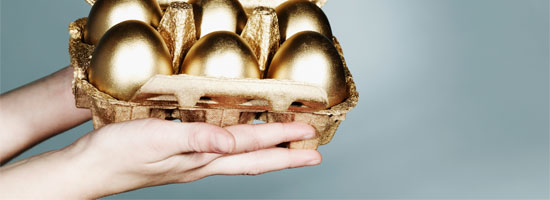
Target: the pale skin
(129, 155)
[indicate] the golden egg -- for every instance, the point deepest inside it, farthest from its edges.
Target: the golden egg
(107, 13)
(218, 15)
(311, 57)
(126, 57)
(221, 54)
(299, 15)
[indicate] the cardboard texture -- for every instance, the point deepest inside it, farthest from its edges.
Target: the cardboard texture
(218, 101)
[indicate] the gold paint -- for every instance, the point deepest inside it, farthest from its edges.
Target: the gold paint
(311, 57)
(218, 15)
(107, 13)
(299, 15)
(262, 34)
(248, 5)
(128, 55)
(177, 28)
(221, 54)
(166, 3)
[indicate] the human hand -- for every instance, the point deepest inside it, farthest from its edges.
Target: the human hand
(142, 153)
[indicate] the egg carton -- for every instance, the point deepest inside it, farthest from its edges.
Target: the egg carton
(218, 101)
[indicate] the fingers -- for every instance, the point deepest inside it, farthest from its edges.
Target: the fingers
(178, 164)
(260, 136)
(155, 140)
(172, 138)
(167, 138)
(257, 162)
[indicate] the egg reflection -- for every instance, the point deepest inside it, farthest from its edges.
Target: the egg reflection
(311, 57)
(218, 15)
(301, 15)
(221, 54)
(126, 57)
(107, 13)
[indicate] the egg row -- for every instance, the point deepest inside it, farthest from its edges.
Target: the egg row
(129, 50)
(210, 15)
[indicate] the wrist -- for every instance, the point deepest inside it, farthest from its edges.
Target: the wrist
(52, 175)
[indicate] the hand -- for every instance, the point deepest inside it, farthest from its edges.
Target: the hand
(135, 154)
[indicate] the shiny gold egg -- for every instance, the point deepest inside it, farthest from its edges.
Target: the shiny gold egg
(311, 57)
(301, 15)
(218, 15)
(107, 13)
(126, 57)
(221, 54)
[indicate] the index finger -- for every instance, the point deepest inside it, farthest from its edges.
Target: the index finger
(166, 138)
(252, 137)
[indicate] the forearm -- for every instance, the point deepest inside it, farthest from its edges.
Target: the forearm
(52, 175)
(38, 111)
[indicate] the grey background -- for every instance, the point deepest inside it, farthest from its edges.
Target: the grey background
(454, 100)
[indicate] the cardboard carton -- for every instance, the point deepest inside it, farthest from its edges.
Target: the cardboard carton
(218, 101)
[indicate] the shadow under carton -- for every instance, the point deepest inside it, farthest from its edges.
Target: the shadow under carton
(218, 101)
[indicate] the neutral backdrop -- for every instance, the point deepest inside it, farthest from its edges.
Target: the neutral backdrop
(454, 100)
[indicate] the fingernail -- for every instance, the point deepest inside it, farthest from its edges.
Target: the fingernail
(313, 162)
(302, 130)
(309, 135)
